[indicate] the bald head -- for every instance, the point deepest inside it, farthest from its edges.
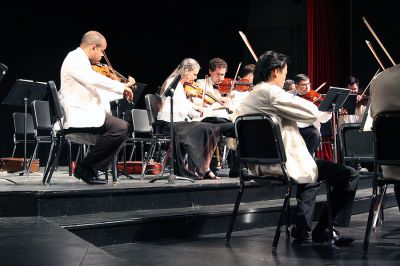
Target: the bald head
(92, 37)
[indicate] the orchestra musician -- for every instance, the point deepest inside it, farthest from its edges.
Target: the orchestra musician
(198, 139)
(385, 96)
(289, 85)
(215, 112)
(310, 131)
(246, 75)
(85, 97)
(352, 84)
(268, 97)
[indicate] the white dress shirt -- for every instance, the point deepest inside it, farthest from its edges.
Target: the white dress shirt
(183, 107)
(273, 100)
(85, 95)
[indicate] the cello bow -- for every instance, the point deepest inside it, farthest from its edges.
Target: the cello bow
(248, 45)
(377, 39)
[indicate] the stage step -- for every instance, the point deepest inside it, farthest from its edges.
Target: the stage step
(77, 198)
(143, 225)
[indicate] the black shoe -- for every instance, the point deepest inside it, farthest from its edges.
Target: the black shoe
(300, 234)
(88, 175)
(234, 173)
(323, 236)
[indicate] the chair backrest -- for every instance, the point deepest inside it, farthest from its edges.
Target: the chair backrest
(41, 115)
(19, 120)
(140, 121)
(386, 138)
(356, 145)
(56, 112)
(153, 105)
(259, 139)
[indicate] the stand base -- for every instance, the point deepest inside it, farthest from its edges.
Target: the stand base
(8, 180)
(171, 179)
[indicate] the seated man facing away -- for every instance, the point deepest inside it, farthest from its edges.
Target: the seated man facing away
(268, 97)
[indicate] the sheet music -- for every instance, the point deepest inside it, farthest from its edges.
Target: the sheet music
(366, 123)
(367, 126)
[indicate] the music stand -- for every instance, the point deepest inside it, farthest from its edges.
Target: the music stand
(120, 108)
(170, 92)
(333, 101)
(23, 93)
(3, 70)
(350, 104)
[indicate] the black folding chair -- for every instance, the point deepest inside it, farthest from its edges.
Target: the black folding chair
(356, 145)
(20, 129)
(259, 141)
(56, 115)
(153, 105)
(386, 147)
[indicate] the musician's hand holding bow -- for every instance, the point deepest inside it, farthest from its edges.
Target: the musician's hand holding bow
(128, 89)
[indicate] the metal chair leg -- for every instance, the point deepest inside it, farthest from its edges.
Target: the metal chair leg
(379, 207)
(235, 210)
(369, 225)
(281, 219)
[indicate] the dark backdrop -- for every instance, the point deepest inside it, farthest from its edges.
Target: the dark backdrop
(147, 39)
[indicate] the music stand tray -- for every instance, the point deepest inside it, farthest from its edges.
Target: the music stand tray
(334, 99)
(22, 93)
(350, 104)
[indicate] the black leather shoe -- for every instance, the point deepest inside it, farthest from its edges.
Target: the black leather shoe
(88, 175)
(323, 236)
(299, 234)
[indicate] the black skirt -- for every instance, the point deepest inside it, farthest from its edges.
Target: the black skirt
(196, 139)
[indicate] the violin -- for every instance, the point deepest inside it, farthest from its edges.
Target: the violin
(314, 97)
(105, 70)
(193, 90)
(228, 84)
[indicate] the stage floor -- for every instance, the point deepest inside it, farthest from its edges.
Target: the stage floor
(37, 241)
(62, 181)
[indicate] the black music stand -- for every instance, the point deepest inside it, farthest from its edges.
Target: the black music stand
(170, 92)
(350, 104)
(333, 101)
(23, 93)
(120, 109)
(3, 70)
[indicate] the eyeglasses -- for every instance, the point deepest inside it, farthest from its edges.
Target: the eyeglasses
(305, 84)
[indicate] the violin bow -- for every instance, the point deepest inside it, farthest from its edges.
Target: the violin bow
(374, 53)
(236, 75)
(204, 91)
(248, 45)
(323, 84)
(377, 39)
(366, 88)
(112, 69)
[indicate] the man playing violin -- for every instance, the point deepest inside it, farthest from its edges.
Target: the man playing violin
(246, 75)
(352, 83)
(217, 69)
(85, 97)
(310, 132)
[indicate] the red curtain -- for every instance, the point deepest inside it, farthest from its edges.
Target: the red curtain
(328, 49)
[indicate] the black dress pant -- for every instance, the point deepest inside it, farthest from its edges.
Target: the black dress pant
(312, 138)
(343, 180)
(115, 132)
